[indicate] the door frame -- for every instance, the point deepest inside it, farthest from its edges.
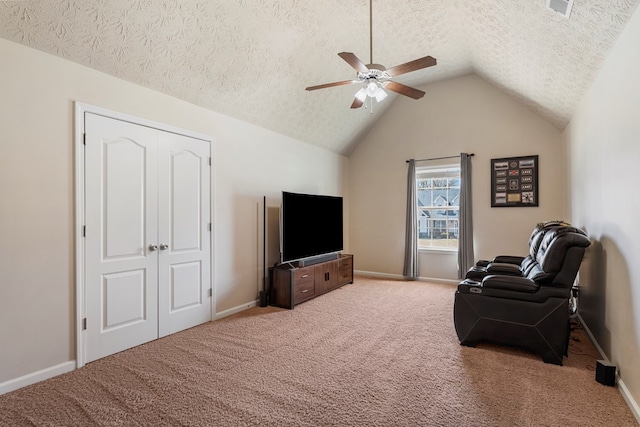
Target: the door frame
(80, 270)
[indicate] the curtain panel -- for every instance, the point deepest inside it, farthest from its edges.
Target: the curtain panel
(411, 235)
(465, 230)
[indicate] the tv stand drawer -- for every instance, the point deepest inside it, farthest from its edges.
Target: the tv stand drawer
(303, 291)
(303, 275)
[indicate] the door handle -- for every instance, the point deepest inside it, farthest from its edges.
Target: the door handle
(153, 248)
(163, 246)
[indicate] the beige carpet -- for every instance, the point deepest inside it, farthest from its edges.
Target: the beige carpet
(375, 353)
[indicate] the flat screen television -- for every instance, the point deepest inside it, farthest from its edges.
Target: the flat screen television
(310, 225)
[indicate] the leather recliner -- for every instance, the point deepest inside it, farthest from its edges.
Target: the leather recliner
(528, 306)
(514, 265)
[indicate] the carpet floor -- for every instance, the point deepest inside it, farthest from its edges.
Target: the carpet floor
(375, 353)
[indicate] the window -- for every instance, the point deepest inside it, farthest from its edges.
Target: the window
(438, 200)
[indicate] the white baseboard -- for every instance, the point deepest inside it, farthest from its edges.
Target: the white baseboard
(626, 394)
(401, 277)
(376, 274)
(37, 376)
(593, 339)
(437, 280)
(234, 310)
(624, 391)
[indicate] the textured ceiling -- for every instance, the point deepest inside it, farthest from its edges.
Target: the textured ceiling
(252, 59)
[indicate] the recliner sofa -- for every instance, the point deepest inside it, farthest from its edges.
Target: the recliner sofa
(524, 301)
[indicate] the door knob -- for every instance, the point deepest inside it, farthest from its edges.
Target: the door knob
(153, 248)
(163, 246)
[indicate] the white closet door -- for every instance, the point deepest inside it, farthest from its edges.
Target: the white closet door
(121, 294)
(184, 237)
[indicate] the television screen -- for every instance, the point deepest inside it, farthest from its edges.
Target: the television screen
(311, 225)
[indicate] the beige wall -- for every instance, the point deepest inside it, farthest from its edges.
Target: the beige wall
(603, 143)
(465, 114)
(37, 203)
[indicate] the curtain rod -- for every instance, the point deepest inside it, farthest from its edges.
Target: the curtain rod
(440, 158)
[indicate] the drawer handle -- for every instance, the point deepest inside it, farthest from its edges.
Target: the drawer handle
(305, 275)
(305, 291)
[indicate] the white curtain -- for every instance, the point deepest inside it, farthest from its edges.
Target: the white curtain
(411, 236)
(465, 230)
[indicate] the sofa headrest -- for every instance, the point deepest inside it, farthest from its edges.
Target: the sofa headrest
(556, 242)
(541, 228)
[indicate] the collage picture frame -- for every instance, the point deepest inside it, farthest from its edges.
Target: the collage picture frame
(514, 182)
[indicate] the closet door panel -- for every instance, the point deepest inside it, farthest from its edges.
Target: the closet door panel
(124, 192)
(186, 285)
(186, 194)
(183, 215)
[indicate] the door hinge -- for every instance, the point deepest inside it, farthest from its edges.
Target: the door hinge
(84, 139)
(84, 324)
(209, 227)
(84, 231)
(209, 161)
(210, 292)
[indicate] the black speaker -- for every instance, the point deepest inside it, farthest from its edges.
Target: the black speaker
(264, 299)
(605, 373)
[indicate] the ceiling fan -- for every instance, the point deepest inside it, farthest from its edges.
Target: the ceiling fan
(374, 78)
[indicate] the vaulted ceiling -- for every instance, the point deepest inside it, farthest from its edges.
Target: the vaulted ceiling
(252, 59)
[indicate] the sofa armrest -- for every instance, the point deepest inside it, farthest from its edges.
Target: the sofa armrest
(510, 283)
(506, 259)
(504, 268)
(509, 259)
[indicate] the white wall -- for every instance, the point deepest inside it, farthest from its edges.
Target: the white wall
(37, 204)
(603, 142)
(464, 114)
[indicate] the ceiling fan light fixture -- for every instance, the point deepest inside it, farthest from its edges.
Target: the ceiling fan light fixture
(372, 88)
(361, 94)
(381, 95)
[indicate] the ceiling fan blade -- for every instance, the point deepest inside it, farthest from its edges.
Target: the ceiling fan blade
(403, 89)
(357, 103)
(416, 64)
(354, 61)
(344, 82)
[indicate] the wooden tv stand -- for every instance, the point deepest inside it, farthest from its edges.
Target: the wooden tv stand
(292, 284)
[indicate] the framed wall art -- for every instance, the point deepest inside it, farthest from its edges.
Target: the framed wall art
(514, 181)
